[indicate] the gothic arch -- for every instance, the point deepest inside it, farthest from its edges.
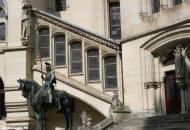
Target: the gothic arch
(167, 38)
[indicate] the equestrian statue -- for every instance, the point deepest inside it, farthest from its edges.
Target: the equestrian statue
(45, 97)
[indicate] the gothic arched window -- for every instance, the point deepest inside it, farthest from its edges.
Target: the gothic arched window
(59, 45)
(76, 57)
(2, 24)
(93, 64)
(44, 49)
(110, 71)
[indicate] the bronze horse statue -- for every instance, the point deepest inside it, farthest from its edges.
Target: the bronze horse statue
(39, 101)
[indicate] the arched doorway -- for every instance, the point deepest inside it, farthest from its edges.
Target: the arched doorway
(2, 100)
(172, 92)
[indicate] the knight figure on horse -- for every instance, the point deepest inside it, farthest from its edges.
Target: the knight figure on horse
(50, 80)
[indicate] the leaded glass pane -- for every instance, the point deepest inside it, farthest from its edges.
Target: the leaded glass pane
(2, 13)
(60, 5)
(60, 50)
(110, 65)
(93, 64)
(76, 57)
(44, 42)
(155, 6)
(115, 24)
(2, 31)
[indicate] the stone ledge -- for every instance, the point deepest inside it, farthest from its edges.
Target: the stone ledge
(17, 119)
(17, 48)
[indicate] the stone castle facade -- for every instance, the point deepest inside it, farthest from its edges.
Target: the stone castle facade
(95, 48)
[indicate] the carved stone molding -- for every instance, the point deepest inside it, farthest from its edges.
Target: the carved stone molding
(155, 85)
(87, 44)
(75, 29)
(104, 51)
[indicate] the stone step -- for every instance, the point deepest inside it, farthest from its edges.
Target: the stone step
(165, 117)
(149, 122)
(166, 122)
(182, 126)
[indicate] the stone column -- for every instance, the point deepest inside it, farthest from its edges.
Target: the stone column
(181, 85)
(158, 98)
(152, 96)
(146, 106)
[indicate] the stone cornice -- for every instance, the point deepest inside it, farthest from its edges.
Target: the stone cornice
(17, 48)
(56, 21)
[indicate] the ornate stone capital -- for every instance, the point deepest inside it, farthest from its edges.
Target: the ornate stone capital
(155, 85)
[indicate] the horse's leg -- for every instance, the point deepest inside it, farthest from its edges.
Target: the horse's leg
(39, 121)
(68, 116)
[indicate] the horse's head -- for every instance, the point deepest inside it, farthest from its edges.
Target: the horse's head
(24, 87)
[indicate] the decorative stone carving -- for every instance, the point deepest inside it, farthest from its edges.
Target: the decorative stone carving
(104, 51)
(86, 121)
(182, 69)
(179, 64)
(148, 85)
(26, 17)
(116, 103)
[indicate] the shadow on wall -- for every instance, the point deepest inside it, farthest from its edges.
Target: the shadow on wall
(2, 100)
(56, 121)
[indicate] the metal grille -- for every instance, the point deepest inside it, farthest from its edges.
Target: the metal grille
(115, 24)
(60, 5)
(76, 57)
(59, 42)
(2, 13)
(2, 31)
(155, 6)
(177, 2)
(110, 66)
(44, 42)
(93, 64)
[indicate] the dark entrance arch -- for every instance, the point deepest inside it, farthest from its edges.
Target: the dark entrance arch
(2, 100)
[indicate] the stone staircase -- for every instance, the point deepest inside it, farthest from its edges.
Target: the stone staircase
(165, 122)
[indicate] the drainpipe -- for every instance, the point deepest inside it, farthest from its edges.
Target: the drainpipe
(123, 90)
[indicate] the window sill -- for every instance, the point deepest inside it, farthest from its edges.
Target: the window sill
(3, 41)
(94, 81)
(43, 59)
(109, 90)
(76, 74)
(60, 66)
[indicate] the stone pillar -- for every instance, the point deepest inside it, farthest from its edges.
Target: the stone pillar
(146, 106)
(152, 96)
(181, 85)
(158, 99)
